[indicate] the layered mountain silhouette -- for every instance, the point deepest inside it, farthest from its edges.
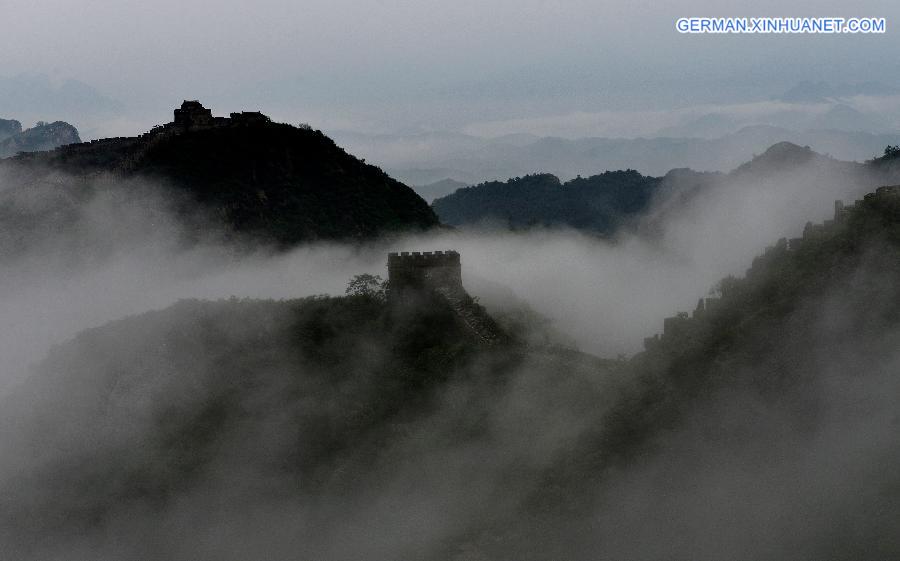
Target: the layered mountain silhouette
(38, 94)
(601, 204)
(818, 92)
(438, 189)
(712, 142)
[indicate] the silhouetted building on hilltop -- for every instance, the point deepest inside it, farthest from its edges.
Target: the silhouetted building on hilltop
(249, 118)
(193, 115)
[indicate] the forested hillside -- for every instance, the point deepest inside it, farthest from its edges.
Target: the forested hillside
(597, 204)
(279, 183)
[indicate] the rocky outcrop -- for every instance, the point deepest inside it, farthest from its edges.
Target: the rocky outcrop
(8, 128)
(43, 136)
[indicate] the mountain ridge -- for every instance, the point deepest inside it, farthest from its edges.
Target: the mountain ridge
(423, 159)
(602, 204)
(282, 183)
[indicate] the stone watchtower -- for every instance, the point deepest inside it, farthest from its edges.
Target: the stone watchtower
(192, 115)
(440, 273)
(439, 270)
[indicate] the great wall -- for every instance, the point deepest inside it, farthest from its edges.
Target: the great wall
(190, 117)
(677, 327)
(439, 272)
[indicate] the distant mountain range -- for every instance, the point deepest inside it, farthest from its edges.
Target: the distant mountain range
(37, 94)
(601, 204)
(438, 188)
(287, 184)
(816, 92)
(421, 159)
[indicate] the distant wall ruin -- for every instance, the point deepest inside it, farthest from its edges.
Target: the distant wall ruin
(193, 116)
(679, 326)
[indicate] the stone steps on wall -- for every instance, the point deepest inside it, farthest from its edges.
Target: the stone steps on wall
(471, 315)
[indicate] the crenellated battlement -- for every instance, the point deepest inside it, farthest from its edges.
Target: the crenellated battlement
(192, 115)
(428, 269)
(423, 259)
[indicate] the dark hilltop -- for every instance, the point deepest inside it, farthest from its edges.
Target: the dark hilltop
(284, 184)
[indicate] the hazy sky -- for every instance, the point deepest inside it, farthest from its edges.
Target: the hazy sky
(383, 64)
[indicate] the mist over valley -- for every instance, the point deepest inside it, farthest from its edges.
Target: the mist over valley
(432, 282)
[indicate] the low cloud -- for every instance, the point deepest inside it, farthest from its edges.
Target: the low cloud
(726, 481)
